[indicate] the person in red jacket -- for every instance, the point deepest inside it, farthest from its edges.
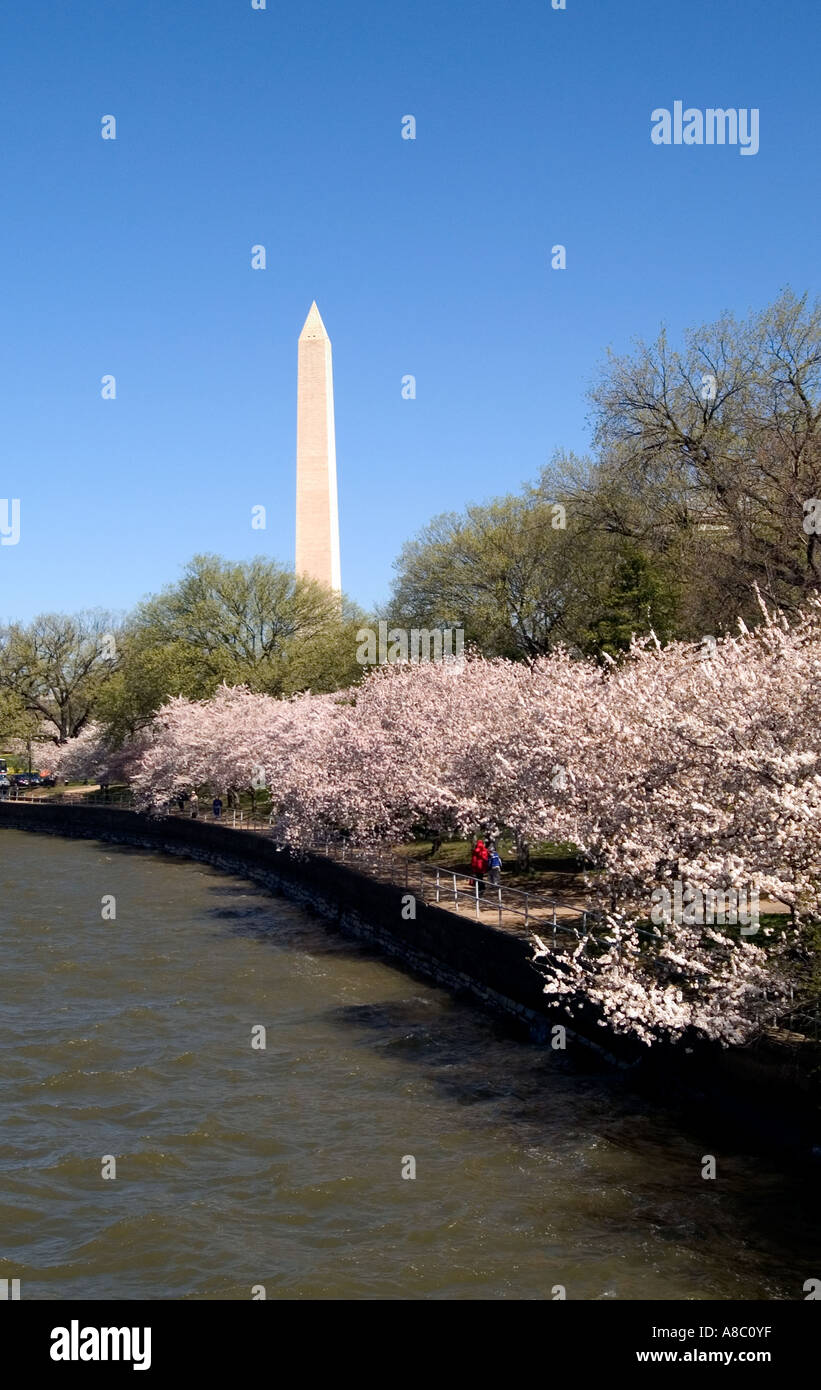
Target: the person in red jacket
(478, 864)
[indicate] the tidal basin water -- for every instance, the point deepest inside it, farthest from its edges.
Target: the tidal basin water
(238, 1167)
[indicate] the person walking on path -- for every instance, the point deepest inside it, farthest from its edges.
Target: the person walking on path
(195, 805)
(494, 861)
(217, 807)
(478, 865)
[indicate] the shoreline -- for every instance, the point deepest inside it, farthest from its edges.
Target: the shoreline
(768, 1088)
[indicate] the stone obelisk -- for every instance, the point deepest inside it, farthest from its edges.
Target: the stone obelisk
(317, 515)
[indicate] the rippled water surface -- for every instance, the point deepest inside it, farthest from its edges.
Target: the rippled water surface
(283, 1167)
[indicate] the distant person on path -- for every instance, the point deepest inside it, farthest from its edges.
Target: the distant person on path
(495, 865)
(478, 864)
(195, 805)
(217, 807)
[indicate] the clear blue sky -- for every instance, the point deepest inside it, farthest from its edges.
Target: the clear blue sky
(431, 257)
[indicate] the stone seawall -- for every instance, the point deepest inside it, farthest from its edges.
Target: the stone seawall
(769, 1088)
(466, 956)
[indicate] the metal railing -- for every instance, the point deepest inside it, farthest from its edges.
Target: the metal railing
(464, 892)
(28, 794)
(803, 1017)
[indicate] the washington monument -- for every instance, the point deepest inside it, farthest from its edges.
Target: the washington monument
(317, 516)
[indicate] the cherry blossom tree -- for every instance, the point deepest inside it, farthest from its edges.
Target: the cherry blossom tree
(692, 764)
(90, 757)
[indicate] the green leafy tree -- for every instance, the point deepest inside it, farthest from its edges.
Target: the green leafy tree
(507, 572)
(54, 668)
(248, 623)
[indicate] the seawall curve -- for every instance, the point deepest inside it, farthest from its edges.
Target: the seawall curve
(767, 1089)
